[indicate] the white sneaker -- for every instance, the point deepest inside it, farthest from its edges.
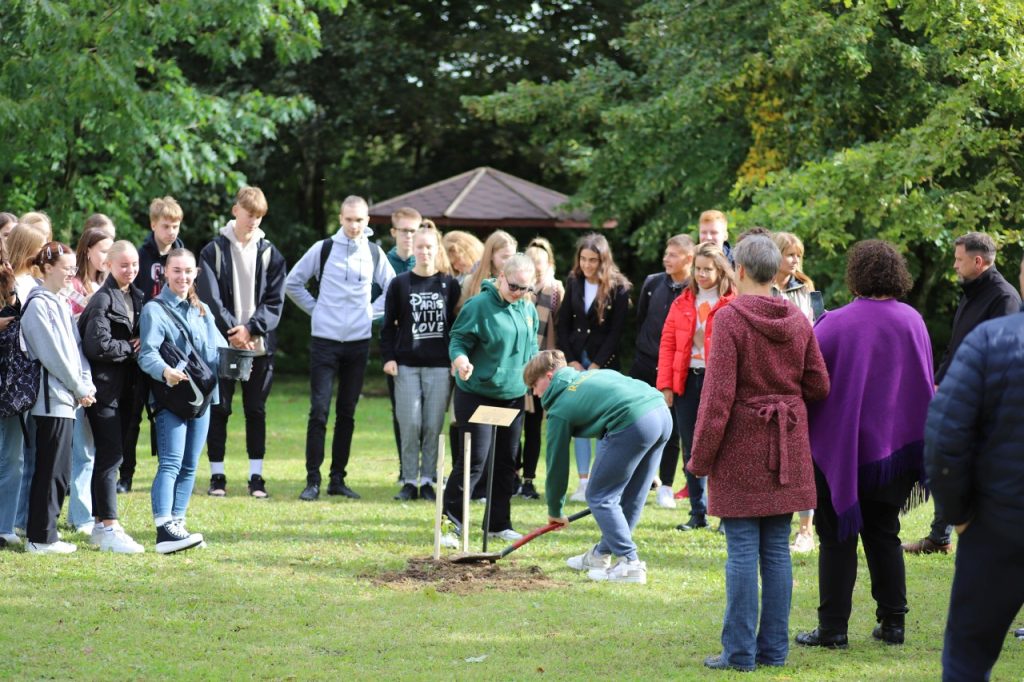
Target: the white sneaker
(58, 547)
(450, 540)
(622, 572)
(665, 497)
(581, 491)
(588, 560)
(803, 543)
(116, 540)
(85, 528)
(96, 536)
(10, 538)
(508, 535)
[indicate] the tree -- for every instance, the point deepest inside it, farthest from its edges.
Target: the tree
(98, 115)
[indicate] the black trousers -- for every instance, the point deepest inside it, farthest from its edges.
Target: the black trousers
(255, 391)
(837, 559)
(529, 454)
(51, 478)
(328, 359)
(110, 432)
(132, 409)
(987, 594)
(670, 455)
(506, 444)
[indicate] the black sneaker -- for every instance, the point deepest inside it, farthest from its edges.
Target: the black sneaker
(337, 487)
(124, 486)
(694, 523)
(218, 485)
(528, 491)
(408, 492)
(427, 492)
(310, 493)
(172, 537)
(258, 487)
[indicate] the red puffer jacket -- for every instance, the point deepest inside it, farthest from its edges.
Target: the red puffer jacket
(677, 339)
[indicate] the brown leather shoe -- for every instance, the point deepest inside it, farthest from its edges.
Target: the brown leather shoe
(927, 546)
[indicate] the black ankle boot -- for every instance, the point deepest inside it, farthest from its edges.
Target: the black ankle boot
(891, 629)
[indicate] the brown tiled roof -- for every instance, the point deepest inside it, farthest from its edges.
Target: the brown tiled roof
(485, 197)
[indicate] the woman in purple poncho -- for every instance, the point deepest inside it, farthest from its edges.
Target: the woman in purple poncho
(867, 441)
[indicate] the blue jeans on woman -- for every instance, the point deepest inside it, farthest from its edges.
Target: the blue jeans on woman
(12, 457)
(749, 542)
(28, 470)
(623, 470)
(179, 444)
(83, 458)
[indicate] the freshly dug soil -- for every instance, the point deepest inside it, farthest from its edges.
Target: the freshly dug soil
(446, 576)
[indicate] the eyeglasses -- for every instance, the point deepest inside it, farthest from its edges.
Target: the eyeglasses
(406, 231)
(517, 288)
(71, 270)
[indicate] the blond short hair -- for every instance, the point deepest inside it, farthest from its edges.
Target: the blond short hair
(252, 200)
(406, 212)
(542, 363)
(712, 216)
(165, 208)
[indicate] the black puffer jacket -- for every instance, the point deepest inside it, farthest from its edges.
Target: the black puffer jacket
(106, 329)
(974, 436)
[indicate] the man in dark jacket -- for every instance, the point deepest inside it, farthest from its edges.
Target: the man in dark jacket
(986, 296)
(974, 458)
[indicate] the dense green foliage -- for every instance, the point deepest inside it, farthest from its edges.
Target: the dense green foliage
(839, 121)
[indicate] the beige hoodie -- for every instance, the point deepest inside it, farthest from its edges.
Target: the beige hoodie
(243, 277)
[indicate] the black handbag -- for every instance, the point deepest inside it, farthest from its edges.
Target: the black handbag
(188, 399)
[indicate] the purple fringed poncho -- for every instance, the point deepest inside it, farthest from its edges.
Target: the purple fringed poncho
(870, 428)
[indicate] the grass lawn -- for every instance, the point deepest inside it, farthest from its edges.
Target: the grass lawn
(284, 590)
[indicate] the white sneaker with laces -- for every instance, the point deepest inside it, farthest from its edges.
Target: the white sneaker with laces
(803, 543)
(665, 497)
(623, 571)
(85, 528)
(59, 547)
(508, 535)
(450, 540)
(581, 491)
(588, 560)
(10, 538)
(116, 540)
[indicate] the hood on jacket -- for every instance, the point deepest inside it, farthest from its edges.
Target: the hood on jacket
(771, 317)
(491, 287)
(342, 238)
(229, 232)
(560, 381)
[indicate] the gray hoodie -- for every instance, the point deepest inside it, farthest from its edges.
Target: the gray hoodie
(50, 335)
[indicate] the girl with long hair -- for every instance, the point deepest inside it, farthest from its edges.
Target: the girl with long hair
(498, 248)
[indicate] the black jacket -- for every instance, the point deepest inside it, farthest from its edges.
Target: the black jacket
(652, 304)
(974, 436)
(151, 267)
(578, 330)
(215, 288)
(106, 329)
(985, 297)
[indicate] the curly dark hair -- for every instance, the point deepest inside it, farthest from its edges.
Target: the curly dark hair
(874, 268)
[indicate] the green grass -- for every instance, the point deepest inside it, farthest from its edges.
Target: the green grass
(283, 591)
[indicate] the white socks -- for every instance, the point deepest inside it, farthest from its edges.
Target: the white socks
(216, 468)
(255, 467)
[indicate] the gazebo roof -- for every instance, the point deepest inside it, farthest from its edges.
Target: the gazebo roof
(485, 197)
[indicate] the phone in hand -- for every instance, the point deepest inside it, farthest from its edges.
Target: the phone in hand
(180, 367)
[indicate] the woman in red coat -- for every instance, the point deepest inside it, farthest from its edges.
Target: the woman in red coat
(752, 444)
(685, 342)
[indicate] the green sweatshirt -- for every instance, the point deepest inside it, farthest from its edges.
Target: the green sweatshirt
(499, 338)
(588, 405)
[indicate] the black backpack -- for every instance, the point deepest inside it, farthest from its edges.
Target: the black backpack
(188, 399)
(19, 376)
(325, 252)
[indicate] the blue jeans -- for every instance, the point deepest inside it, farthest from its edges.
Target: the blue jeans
(27, 472)
(83, 457)
(750, 541)
(623, 470)
(179, 444)
(12, 457)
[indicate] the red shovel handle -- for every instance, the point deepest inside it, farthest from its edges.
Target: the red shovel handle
(533, 535)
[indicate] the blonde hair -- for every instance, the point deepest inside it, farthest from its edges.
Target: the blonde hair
(462, 246)
(165, 208)
(682, 242)
(40, 222)
(788, 240)
(252, 200)
(352, 200)
(119, 247)
(498, 240)
(440, 257)
(406, 212)
(608, 276)
(542, 363)
(23, 245)
(712, 216)
(726, 277)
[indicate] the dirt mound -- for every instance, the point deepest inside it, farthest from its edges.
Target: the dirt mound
(446, 576)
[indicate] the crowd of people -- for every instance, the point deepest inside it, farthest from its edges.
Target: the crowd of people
(770, 405)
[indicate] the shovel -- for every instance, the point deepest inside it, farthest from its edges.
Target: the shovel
(480, 557)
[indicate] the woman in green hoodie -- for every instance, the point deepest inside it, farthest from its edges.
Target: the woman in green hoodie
(632, 423)
(492, 339)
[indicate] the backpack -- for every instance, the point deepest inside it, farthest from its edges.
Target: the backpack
(19, 376)
(188, 399)
(325, 252)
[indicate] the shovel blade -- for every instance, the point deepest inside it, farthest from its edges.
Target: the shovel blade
(474, 557)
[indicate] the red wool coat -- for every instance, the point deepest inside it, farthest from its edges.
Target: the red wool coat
(751, 439)
(676, 344)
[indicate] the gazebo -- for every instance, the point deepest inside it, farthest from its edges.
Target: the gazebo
(486, 199)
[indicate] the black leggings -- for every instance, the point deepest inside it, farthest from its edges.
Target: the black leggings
(504, 459)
